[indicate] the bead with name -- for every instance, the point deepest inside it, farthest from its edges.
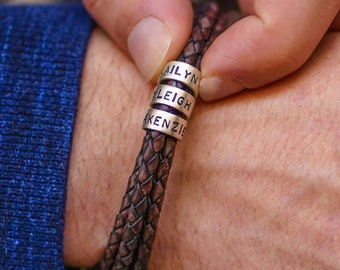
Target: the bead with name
(175, 98)
(165, 122)
(182, 72)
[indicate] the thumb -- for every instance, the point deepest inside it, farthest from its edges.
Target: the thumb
(273, 41)
(151, 32)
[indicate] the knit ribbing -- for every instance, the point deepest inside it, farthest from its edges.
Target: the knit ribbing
(41, 56)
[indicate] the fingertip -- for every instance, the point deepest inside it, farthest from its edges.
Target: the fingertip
(159, 36)
(148, 44)
(214, 88)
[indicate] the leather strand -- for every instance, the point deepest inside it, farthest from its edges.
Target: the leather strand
(131, 239)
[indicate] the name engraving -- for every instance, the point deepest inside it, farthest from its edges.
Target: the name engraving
(182, 72)
(165, 122)
(175, 98)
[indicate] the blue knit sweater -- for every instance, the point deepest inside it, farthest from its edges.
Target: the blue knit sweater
(41, 54)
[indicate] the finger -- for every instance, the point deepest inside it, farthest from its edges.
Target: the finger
(260, 48)
(151, 32)
(336, 23)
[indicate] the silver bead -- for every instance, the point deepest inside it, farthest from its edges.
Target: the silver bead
(175, 98)
(182, 72)
(165, 122)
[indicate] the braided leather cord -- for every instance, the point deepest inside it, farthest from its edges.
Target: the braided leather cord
(130, 242)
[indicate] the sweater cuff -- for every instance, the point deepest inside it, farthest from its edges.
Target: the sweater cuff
(41, 56)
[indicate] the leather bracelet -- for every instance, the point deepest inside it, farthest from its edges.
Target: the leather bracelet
(130, 242)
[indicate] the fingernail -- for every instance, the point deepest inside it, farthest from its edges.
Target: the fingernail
(213, 88)
(148, 44)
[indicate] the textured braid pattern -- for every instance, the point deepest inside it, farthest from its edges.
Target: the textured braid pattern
(145, 193)
(134, 231)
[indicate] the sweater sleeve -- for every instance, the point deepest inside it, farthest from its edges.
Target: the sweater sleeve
(41, 55)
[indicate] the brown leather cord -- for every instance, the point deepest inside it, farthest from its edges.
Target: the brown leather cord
(134, 231)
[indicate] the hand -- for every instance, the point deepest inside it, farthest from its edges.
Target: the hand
(151, 32)
(254, 183)
(273, 40)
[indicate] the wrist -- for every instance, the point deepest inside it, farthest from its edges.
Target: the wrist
(243, 178)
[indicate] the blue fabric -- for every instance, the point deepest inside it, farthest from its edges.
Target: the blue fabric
(41, 54)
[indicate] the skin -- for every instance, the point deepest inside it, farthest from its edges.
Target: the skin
(254, 184)
(263, 195)
(272, 40)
